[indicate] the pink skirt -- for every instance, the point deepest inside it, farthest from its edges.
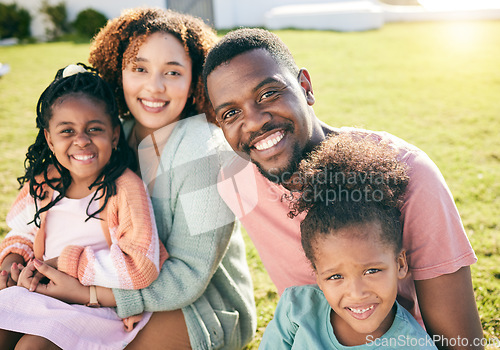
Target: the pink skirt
(66, 325)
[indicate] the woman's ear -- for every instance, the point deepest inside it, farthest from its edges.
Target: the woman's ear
(305, 82)
(402, 264)
(46, 133)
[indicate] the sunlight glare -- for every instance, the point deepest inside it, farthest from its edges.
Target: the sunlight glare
(459, 5)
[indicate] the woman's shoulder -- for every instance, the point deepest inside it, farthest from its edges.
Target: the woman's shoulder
(196, 135)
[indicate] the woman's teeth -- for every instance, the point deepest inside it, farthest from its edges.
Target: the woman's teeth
(153, 104)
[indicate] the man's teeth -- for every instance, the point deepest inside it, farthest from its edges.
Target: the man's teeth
(153, 104)
(268, 143)
(360, 311)
(82, 157)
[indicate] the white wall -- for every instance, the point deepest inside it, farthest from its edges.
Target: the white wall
(250, 13)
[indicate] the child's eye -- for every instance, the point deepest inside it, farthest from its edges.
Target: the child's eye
(372, 271)
(335, 277)
(66, 131)
(138, 69)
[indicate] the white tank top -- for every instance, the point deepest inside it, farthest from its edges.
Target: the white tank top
(65, 225)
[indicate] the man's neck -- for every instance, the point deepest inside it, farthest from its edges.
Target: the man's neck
(319, 134)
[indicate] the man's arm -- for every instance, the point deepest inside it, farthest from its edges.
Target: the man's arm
(449, 310)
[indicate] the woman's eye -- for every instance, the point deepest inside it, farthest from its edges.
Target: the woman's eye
(174, 73)
(138, 69)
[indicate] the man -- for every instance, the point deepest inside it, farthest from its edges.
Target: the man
(263, 104)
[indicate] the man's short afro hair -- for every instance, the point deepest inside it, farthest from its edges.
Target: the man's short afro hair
(243, 40)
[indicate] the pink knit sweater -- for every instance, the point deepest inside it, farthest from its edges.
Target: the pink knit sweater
(135, 253)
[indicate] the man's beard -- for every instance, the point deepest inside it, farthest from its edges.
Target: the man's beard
(283, 175)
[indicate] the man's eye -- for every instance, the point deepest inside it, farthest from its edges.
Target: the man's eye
(267, 94)
(229, 115)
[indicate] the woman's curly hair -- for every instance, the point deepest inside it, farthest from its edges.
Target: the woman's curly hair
(118, 42)
(40, 161)
(350, 179)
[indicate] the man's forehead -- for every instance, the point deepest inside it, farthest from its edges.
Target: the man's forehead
(256, 65)
(253, 60)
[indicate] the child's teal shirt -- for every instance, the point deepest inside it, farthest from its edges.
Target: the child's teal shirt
(302, 321)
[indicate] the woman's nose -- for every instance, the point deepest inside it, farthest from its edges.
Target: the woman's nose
(156, 83)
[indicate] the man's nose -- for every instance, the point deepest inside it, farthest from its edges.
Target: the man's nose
(254, 118)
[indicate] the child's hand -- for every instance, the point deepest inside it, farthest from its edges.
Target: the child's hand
(8, 278)
(130, 322)
(29, 277)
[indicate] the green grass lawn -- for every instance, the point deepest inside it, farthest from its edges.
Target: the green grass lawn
(436, 85)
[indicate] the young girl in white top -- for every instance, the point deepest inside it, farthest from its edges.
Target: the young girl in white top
(82, 210)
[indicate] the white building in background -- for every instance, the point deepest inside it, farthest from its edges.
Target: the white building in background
(340, 15)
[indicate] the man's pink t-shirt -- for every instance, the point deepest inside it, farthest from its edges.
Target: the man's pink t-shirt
(433, 235)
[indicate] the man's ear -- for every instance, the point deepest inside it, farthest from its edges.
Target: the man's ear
(305, 82)
(402, 265)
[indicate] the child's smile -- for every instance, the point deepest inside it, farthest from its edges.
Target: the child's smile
(82, 138)
(359, 276)
(363, 312)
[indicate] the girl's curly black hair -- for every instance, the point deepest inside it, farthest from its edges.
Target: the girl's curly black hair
(39, 158)
(350, 179)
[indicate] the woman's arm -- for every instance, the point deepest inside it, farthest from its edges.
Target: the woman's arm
(449, 310)
(69, 289)
(194, 224)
